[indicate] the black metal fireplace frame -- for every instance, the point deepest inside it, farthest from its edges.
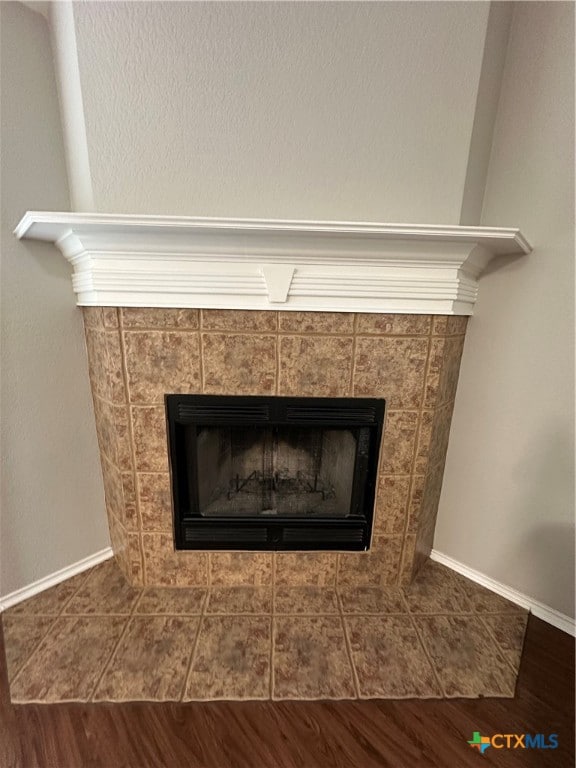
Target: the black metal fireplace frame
(283, 533)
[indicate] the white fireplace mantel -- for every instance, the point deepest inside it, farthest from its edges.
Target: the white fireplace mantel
(166, 261)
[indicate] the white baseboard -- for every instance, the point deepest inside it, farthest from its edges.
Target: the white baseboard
(541, 611)
(54, 578)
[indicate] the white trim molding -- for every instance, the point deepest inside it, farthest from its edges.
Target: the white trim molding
(54, 578)
(168, 261)
(540, 610)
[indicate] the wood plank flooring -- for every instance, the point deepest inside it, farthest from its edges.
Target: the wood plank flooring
(349, 734)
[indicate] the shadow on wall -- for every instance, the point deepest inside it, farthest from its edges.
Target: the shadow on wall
(505, 261)
(50, 261)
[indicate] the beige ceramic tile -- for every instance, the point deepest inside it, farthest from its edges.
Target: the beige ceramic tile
(22, 634)
(155, 498)
(465, 657)
(423, 548)
(440, 325)
(232, 659)
(98, 362)
(389, 659)
(379, 566)
(398, 442)
(483, 600)
(407, 561)
(52, 601)
(306, 569)
(444, 367)
(126, 547)
(311, 601)
(262, 321)
(106, 429)
(130, 514)
(360, 569)
(148, 317)
(175, 601)
(166, 567)
(397, 325)
(457, 324)
(316, 322)
(509, 631)
(243, 364)
(450, 369)
(241, 569)
(110, 317)
(104, 591)
(430, 499)
(434, 591)
(425, 430)
(391, 505)
(124, 451)
(392, 368)
(151, 660)
(440, 434)
(119, 543)
(368, 600)
(233, 600)
(449, 325)
(115, 367)
(315, 366)
(113, 490)
(150, 441)
(136, 566)
(92, 317)
(415, 503)
(161, 362)
(68, 662)
(310, 659)
(434, 371)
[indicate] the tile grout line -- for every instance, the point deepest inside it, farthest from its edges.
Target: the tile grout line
(277, 349)
(503, 655)
(426, 653)
(414, 458)
(55, 618)
(129, 618)
(348, 647)
(132, 444)
(26, 661)
(189, 330)
(353, 365)
(194, 648)
(272, 627)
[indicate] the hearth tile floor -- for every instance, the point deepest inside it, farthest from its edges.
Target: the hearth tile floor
(95, 638)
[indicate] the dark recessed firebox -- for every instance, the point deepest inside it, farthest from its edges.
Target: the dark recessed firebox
(265, 473)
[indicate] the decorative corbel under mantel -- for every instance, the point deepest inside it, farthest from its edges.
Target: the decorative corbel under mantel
(166, 261)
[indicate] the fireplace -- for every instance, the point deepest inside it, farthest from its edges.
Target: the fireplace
(257, 308)
(273, 473)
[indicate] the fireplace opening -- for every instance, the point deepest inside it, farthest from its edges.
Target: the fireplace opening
(265, 473)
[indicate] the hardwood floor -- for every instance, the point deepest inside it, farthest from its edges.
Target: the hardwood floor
(362, 734)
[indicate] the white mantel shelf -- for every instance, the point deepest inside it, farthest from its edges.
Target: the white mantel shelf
(166, 261)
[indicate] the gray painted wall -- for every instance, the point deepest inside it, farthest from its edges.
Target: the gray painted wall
(507, 506)
(52, 502)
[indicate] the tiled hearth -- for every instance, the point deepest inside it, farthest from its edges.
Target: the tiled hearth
(137, 356)
(97, 638)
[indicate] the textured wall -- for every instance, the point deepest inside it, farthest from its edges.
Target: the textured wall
(291, 110)
(507, 506)
(139, 355)
(52, 502)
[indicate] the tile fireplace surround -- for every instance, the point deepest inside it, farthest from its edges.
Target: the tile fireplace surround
(184, 305)
(254, 307)
(136, 356)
